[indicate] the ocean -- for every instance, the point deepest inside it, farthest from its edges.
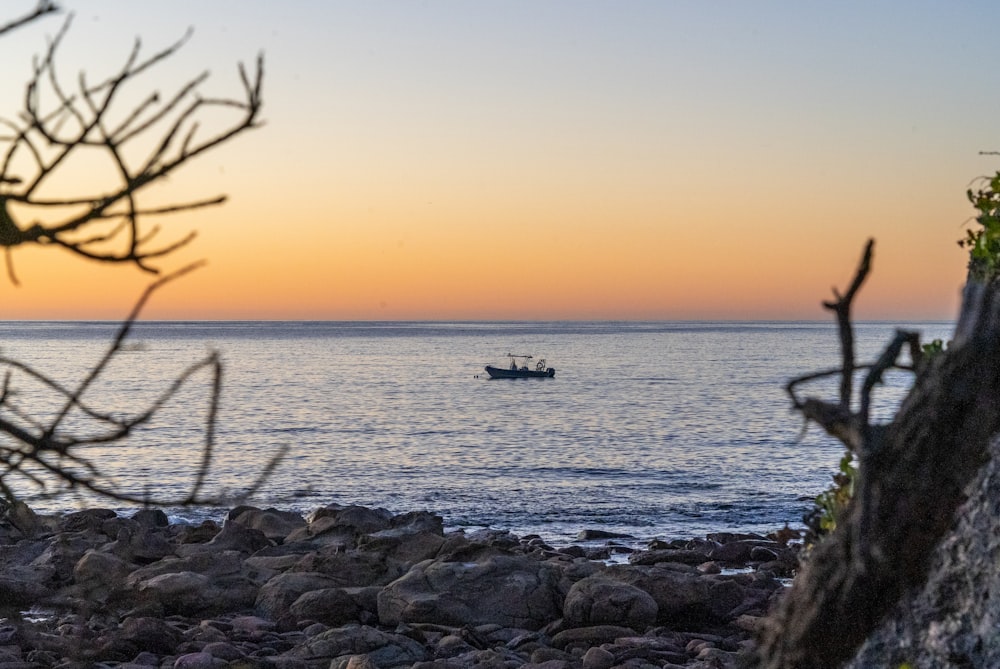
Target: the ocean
(651, 429)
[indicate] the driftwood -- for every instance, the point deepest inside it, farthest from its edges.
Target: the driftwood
(911, 479)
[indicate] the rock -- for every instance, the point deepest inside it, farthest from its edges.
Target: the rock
(330, 606)
(382, 648)
(591, 535)
(26, 585)
(452, 645)
(151, 518)
(222, 563)
(197, 534)
(141, 545)
(586, 637)
(486, 599)
(709, 568)
(149, 634)
(416, 522)
(351, 568)
(552, 664)
(64, 550)
(403, 545)
(598, 599)
(360, 662)
(574, 551)
(88, 519)
(274, 524)
(276, 597)
(358, 519)
(182, 590)
(99, 576)
(199, 660)
(729, 537)
(233, 537)
(679, 555)
(29, 523)
(598, 658)
(740, 551)
(511, 591)
(252, 624)
(762, 554)
(683, 598)
(191, 593)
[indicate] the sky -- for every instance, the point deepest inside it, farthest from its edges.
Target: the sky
(548, 160)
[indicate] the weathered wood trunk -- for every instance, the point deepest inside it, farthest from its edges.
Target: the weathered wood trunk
(913, 475)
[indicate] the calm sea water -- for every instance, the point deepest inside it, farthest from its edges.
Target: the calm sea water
(652, 429)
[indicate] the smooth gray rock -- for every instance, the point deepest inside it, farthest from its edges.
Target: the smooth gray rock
(274, 524)
(683, 597)
(599, 600)
(512, 591)
(276, 597)
(330, 606)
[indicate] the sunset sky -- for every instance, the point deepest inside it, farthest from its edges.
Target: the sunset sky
(552, 160)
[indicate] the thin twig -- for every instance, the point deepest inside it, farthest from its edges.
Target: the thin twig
(842, 308)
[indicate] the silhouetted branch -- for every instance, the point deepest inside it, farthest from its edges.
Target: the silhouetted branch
(41, 9)
(842, 309)
(41, 454)
(839, 419)
(59, 124)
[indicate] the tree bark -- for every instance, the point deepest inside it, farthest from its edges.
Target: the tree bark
(912, 477)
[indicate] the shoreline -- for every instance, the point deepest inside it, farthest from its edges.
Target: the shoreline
(362, 588)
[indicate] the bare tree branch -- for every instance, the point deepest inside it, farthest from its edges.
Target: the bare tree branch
(41, 9)
(79, 125)
(839, 419)
(842, 309)
(49, 450)
(141, 146)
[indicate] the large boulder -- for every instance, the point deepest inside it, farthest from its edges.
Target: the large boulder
(351, 568)
(403, 544)
(597, 600)
(140, 544)
(24, 585)
(233, 537)
(276, 597)
(211, 564)
(507, 590)
(100, 576)
(276, 525)
(353, 520)
(330, 606)
(683, 597)
(190, 593)
(20, 517)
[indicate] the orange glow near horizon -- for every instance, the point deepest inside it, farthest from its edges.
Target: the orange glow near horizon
(478, 168)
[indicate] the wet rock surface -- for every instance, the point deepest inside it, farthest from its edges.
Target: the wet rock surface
(355, 588)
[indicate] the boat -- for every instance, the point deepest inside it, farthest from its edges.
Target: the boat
(520, 369)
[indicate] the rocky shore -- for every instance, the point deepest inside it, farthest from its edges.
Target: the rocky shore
(357, 588)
